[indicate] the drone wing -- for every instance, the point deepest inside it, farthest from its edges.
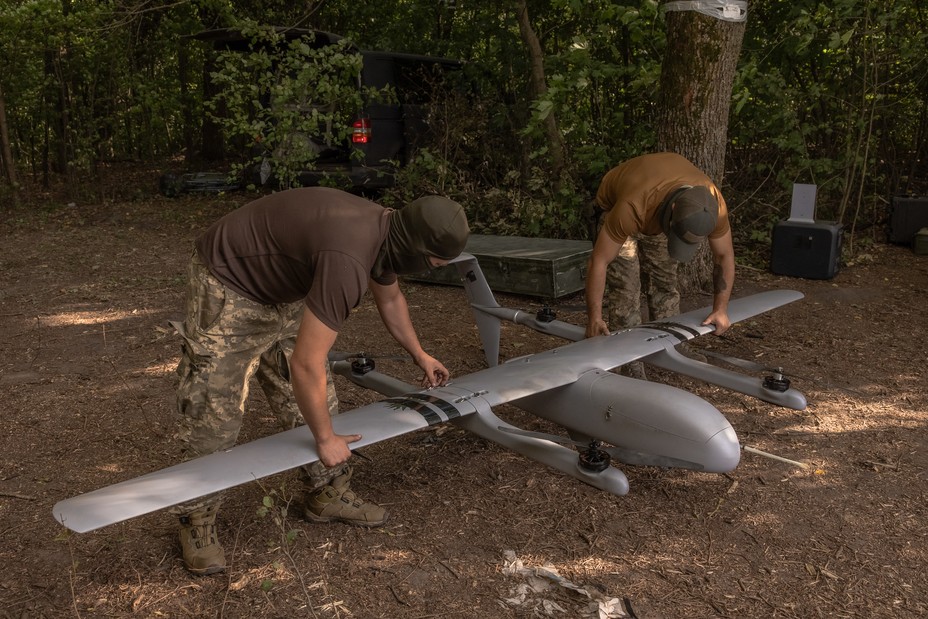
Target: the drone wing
(375, 422)
(533, 374)
(250, 461)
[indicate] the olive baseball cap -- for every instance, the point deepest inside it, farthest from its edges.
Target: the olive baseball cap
(688, 219)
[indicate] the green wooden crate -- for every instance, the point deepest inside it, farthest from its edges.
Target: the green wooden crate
(545, 268)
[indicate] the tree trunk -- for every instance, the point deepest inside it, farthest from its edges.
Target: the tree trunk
(695, 95)
(211, 138)
(186, 97)
(540, 88)
(9, 168)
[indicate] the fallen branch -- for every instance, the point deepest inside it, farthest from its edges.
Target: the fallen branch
(17, 495)
(889, 465)
(765, 454)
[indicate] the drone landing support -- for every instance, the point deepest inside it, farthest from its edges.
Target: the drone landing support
(564, 459)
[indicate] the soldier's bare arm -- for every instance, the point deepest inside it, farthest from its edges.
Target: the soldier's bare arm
(394, 311)
(308, 377)
(723, 280)
(604, 251)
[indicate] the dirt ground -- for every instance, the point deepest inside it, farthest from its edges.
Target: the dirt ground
(86, 385)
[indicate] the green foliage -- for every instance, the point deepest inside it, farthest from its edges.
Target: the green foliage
(828, 93)
(288, 101)
(825, 95)
(601, 83)
(82, 87)
(602, 66)
(275, 506)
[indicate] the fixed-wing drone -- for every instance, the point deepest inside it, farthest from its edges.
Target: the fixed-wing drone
(607, 416)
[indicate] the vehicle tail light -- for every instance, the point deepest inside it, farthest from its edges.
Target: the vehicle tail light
(361, 131)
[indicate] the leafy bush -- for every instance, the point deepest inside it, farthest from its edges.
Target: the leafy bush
(287, 102)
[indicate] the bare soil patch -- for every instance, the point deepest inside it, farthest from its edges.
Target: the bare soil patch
(86, 390)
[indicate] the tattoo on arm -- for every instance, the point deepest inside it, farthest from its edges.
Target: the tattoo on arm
(718, 279)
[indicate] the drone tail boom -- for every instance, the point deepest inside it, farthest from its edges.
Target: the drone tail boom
(671, 359)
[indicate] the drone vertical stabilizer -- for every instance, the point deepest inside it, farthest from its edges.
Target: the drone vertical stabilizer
(488, 313)
(479, 295)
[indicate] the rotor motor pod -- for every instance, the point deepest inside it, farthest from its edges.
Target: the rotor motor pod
(776, 381)
(593, 458)
(545, 315)
(362, 365)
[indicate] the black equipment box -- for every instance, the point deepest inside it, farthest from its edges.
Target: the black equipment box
(908, 216)
(546, 268)
(920, 243)
(806, 249)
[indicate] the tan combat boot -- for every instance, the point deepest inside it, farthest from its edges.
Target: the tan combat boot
(336, 502)
(200, 543)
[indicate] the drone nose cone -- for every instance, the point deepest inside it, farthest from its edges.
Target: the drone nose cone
(722, 451)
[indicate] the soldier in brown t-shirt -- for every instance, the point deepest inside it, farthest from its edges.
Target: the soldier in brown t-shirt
(657, 209)
(269, 286)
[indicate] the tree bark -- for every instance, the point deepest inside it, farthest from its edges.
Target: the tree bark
(212, 145)
(695, 96)
(186, 98)
(540, 88)
(9, 167)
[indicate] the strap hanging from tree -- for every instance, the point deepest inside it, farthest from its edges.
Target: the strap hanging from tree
(725, 10)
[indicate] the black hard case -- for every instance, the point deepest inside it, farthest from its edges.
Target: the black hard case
(806, 249)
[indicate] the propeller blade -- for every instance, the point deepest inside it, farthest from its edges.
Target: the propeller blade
(745, 364)
(542, 435)
(753, 366)
(627, 456)
(638, 458)
(335, 355)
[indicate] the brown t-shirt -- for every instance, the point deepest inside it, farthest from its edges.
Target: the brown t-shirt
(317, 244)
(632, 192)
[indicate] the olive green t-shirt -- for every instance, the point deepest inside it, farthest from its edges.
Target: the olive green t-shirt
(632, 192)
(316, 243)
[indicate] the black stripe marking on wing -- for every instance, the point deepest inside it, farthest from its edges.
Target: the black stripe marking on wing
(446, 407)
(422, 408)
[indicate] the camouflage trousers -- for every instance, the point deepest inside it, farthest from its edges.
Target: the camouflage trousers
(642, 261)
(228, 340)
